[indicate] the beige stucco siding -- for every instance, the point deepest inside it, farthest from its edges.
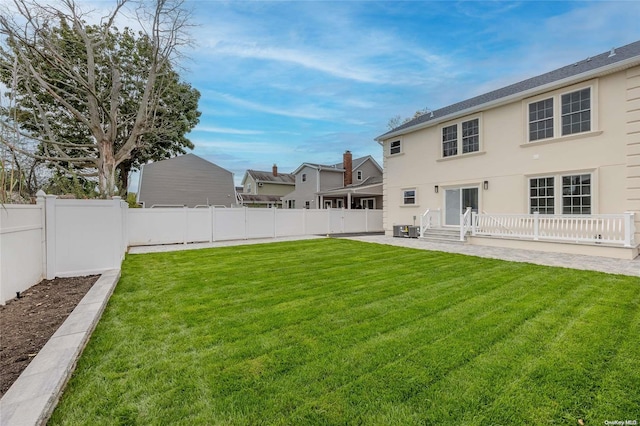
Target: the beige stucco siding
(632, 171)
(506, 160)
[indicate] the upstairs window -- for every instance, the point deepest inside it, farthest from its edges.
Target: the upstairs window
(576, 112)
(470, 136)
(304, 177)
(359, 175)
(541, 120)
(394, 147)
(461, 138)
(562, 114)
(450, 140)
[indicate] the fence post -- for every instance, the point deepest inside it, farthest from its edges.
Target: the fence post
(275, 221)
(213, 223)
(474, 218)
(210, 224)
(245, 223)
(366, 220)
(186, 224)
(629, 230)
(304, 221)
(43, 230)
(536, 225)
(50, 225)
(117, 245)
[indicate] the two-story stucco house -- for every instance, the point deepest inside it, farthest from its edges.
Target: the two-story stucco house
(187, 180)
(550, 163)
(266, 189)
(352, 184)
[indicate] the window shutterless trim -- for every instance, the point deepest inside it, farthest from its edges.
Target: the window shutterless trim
(558, 134)
(396, 146)
(461, 137)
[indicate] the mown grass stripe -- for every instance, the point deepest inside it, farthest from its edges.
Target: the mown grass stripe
(335, 331)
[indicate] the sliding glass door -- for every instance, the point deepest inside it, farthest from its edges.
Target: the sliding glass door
(456, 202)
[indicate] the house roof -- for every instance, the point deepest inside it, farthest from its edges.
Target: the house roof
(339, 167)
(259, 199)
(370, 186)
(610, 61)
(261, 176)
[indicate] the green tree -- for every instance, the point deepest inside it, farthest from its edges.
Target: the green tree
(98, 100)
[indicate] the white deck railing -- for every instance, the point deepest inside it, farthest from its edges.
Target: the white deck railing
(616, 229)
(465, 223)
(429, 219)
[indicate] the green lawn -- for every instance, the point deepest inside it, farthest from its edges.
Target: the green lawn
(341, 332)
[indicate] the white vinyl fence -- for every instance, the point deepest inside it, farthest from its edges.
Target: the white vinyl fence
(21, 248)
(191, 225)
(60, 237)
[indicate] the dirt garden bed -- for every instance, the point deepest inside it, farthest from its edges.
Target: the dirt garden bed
(29, 321)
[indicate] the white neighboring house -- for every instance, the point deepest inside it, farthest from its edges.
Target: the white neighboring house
(187, 180)
(550, 163)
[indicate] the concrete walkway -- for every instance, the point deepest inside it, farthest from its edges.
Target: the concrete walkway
(574, 261)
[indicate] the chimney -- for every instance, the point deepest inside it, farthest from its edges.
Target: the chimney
(275, 170)
(348, 168)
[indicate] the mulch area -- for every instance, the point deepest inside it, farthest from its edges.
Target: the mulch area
(27, 322)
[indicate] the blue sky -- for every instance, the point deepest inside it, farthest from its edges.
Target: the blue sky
(291, 82)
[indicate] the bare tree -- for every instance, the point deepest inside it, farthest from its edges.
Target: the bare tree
(397, 120)
(66, 72)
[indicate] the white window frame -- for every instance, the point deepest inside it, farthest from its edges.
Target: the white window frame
(367, 200)
(538, 120)
(562, 114)
(558, 190)
(405, 197)
(580, 196)
(557, 113)
(304, 177)
(538, 196)
(359, 174)
(459, 137)
(398, 147)
(339, 203)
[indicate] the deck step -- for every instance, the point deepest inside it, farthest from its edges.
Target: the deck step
(442, 235)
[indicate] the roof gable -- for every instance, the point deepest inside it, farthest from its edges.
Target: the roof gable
(609, 61)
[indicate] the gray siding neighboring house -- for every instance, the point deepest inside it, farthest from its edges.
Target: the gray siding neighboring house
(353, 183)
(187, 180)
(266, 189)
